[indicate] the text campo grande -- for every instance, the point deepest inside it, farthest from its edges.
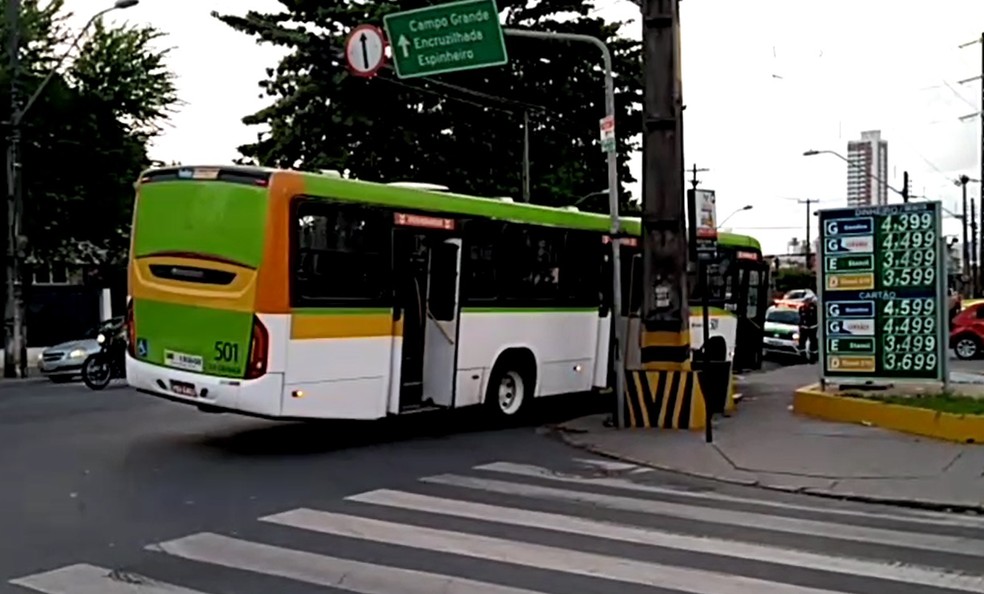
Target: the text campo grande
(447, 40)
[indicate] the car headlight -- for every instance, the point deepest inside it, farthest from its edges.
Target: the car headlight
(101, 338)
(76, 354)
(796, 336)
(40, 356)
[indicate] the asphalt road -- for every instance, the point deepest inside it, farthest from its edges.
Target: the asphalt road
(113, 492)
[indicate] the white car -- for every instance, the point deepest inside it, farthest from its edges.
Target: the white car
(781, 333)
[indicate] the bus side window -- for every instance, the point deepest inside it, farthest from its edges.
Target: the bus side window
(480, 280)
(528, 262)
(580, 269)
(341, 255)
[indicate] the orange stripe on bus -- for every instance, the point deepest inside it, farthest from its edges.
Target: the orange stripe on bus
(313, 326)
(273, 291)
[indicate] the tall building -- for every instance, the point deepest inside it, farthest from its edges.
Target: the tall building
(867, 160)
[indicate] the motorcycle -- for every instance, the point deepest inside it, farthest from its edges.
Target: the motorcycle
(106, 365)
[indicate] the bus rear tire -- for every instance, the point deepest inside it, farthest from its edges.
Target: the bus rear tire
(511, 386)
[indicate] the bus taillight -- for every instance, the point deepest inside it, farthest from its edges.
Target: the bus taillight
(131, 330)
(259, 344)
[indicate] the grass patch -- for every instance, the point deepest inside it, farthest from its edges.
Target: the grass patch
(947, 403)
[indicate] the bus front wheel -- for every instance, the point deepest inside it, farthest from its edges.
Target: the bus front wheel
(510, 389)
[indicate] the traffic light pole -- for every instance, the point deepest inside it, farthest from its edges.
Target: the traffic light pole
(665, 315)
(618, 348)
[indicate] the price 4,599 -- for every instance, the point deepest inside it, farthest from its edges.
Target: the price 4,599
(908, 277)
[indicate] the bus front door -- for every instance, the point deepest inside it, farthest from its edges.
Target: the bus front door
(753, 281)
(441, 323)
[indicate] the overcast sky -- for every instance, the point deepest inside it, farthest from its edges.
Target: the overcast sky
(763, 81)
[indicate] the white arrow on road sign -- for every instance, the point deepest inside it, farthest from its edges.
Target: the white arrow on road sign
(365, 50)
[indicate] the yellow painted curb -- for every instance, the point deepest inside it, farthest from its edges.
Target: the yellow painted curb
(812, 402)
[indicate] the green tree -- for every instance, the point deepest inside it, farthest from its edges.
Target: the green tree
(463, 130)
(85, 140)
(789, 279)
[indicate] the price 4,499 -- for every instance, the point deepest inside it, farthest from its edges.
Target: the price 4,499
(907, 326)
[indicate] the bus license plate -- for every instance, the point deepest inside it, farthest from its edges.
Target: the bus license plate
(773, 341)
(183, 361)
(184, 388)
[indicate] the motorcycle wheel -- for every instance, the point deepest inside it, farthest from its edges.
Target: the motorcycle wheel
(97, 372)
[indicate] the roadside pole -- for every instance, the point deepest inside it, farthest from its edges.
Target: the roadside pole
(482, 35)
(619, 346)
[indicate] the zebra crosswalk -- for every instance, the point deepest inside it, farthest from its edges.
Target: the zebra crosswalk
(509, 528)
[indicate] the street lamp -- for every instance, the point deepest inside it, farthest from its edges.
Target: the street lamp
(15, 352)
(902, 193)
(727, 218)
(118, 5)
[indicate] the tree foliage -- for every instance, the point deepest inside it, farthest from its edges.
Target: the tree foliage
(790, 279)
(463, 130)
(84, 142)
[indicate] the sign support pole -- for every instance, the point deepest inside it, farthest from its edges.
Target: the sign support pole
(705, 304)
(613, 186)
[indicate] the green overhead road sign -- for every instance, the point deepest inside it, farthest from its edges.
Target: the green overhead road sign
(446, 38)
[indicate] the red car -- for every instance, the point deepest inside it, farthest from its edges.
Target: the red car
(967, 332)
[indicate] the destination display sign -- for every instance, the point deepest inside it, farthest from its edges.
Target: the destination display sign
(882, 285)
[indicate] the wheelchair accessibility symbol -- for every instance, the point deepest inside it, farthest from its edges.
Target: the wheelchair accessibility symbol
(142, 348)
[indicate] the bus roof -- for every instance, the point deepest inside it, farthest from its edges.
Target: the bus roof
(322, 185)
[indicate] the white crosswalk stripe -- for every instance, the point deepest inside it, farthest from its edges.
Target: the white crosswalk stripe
(89, 579)
(537, 520)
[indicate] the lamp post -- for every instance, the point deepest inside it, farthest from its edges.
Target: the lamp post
(904, 192)
(15, 343)
(728, 218)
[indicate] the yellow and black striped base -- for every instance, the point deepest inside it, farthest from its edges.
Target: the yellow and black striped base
(664, 399)
(672, 346)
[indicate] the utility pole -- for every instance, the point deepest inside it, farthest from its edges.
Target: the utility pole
(905, 187)
(809, 202)
(963, 181)
(694, 182)
(980, 116)
(665, 315)
(14, 364)
(974, 279)
(526, 156)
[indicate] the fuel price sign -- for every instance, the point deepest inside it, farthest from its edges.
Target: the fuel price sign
(882, 282)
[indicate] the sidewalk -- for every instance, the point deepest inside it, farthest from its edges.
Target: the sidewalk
(765, 445)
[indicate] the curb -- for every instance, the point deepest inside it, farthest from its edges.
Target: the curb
(810, 401)
(977, 510)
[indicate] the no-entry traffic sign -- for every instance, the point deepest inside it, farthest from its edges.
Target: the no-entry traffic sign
(365, 50)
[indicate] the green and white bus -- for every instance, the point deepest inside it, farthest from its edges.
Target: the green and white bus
(738, 295)
(295, 295)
